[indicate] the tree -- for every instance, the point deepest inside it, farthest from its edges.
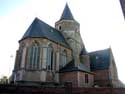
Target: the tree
(4, 80)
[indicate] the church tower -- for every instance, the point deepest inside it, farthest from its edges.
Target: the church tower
(70, 29)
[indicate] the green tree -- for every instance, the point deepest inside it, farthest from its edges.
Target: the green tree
(4, 80)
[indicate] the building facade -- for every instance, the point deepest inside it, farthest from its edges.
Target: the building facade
(48, 54)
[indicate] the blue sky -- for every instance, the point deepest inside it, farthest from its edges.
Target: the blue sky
(102, 26)
(8, 6)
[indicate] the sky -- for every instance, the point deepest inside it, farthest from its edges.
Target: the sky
(102, 26)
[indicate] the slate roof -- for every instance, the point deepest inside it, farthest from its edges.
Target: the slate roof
(39, 29)
(83, 51)
(100, 60)
(70, 67)
(67, 15)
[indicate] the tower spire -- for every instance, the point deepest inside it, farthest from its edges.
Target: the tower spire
(67, 15)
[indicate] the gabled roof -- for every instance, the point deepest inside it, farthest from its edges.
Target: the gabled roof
(39, 29)
(67, 15)
(70, 67)
(100, 60)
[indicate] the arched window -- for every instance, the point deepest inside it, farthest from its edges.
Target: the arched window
(34, 56)
(60, 27)
(63, 59)
(23, 57)
(49, 58)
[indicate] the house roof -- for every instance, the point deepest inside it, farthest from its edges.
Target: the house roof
(100, 60)
(70, 67)
(67, 15)
(39, 29)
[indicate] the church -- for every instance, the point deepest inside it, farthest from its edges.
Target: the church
(58, 54)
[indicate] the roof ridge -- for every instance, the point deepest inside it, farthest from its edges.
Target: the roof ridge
(106, 49)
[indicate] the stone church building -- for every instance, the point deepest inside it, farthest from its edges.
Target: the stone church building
(48, 54)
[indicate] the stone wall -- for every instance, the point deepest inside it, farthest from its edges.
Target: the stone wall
(84, 59)
(23, 71)
(70, 29)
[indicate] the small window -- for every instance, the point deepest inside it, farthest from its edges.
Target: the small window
(86, 78)
(60, 27)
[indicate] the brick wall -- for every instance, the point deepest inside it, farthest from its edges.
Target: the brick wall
(69, 77)
(98, 91)
(81, 76)
(102, 77)
(77, 78)
(14, 89)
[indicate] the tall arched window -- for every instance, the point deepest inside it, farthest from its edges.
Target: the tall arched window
(23, 57)
(63, 59)
(49, 58)
(34, 56)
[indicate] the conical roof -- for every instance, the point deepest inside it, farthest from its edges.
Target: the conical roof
(67, 15)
